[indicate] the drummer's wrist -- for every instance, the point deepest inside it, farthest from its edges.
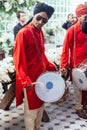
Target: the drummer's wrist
(29, 86)
(57, 68)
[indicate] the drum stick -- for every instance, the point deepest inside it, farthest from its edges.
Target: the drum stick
(34, 83)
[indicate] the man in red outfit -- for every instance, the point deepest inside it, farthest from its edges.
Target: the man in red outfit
(74, 52)
(30, 62)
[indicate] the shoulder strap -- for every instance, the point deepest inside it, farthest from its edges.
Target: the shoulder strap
(74, 51)
(37, 49)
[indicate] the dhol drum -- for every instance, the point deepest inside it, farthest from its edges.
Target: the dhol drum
(50, 87)
(79, 76)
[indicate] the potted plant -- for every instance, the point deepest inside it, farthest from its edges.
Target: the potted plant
(50, 35)
(50, 31)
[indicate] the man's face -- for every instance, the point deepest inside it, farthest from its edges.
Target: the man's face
(71, 18)
(22, 17)
(40, 19)
(82, 18)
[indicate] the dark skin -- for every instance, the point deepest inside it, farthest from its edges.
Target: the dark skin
(39, 24)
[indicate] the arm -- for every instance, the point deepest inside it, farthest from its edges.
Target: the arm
(64, 26)
(15, 31)
(19, 58)
(65, 52)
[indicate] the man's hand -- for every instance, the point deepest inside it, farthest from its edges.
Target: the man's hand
(29, 86)
(65, 73)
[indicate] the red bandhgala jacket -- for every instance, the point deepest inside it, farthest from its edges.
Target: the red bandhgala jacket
(68, 54)
(30, 62)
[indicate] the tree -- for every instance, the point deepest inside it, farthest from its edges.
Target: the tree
(10, 6)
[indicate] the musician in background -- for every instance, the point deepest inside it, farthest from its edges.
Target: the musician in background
(74, 52)
(84, 30)
(70, 21)
(30, 62)
(21, 16)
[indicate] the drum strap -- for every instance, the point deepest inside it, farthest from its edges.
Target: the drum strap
(38, 50)
(74, 51)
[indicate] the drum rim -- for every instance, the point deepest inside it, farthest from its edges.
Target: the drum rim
(76, 80)
(63, 89)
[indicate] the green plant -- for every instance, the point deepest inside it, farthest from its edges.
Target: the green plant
(50, 31)
(11, 6)
(2, 26)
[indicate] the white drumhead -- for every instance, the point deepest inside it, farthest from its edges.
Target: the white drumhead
(79, 78)
(52, 88)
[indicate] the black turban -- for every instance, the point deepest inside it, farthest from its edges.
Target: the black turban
(42, 7)
(84, 25)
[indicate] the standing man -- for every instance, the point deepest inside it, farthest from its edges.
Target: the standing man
(74, 52)
(70, 21)
(30, 62)
(21, 16)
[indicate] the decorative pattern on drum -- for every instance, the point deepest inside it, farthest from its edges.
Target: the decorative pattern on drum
(80, 77)
(51, 87)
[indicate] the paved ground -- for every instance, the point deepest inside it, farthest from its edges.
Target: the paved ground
(62, 117)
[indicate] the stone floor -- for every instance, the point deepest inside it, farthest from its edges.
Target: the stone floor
(62, 116)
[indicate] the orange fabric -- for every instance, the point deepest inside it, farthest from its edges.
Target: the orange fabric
(81, 10)
(30, 61)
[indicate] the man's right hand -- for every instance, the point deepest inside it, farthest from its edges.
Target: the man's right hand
(65, 73)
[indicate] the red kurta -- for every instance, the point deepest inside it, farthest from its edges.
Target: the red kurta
(30, 61)
(68, 49)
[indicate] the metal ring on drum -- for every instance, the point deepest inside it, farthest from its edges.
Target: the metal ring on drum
(50, 87)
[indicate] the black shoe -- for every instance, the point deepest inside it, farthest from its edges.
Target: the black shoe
(81, 114)
(45, 117)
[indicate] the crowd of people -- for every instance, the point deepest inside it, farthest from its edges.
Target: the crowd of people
(30, 60)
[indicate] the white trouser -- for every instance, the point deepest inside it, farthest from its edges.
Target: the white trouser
(78, 97)
(32, 118)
